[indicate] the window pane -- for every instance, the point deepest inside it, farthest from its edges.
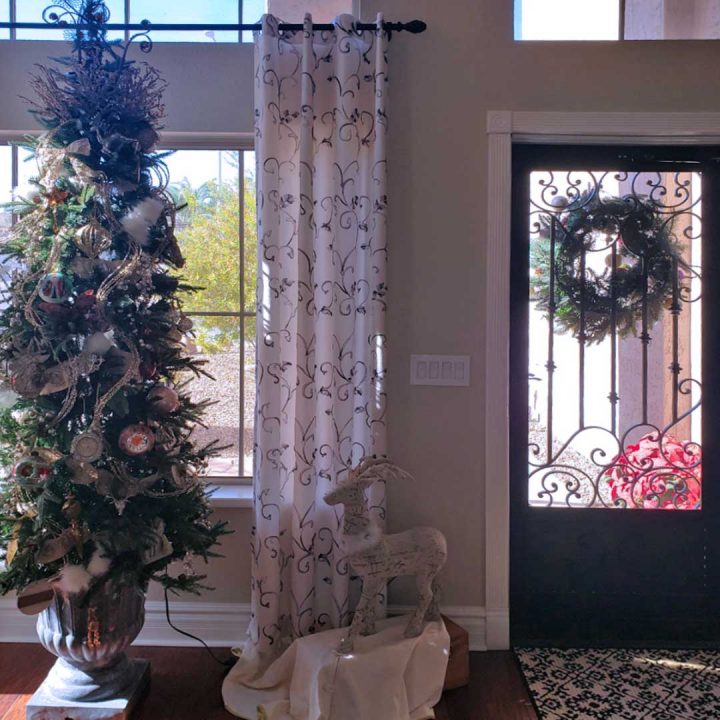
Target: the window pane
(27, 168)
(217, 12)
(32, 11)
(4, 17)
(249, 396)
(658, 20)
(218, 342)
(250, 233)
(566, 19)
(322, 11)
(293, 11)
(208, 229)
(252, 11)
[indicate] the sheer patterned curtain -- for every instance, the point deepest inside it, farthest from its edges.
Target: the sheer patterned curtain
(320, 142)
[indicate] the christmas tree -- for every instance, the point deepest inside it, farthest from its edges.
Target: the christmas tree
(101, 478)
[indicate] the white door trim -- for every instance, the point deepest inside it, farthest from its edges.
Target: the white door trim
(503, 129)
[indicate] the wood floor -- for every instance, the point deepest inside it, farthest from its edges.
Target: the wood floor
(186, 686)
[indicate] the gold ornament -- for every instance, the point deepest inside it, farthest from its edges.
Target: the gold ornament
(56, 197)
(12, 549)
(93, 238)
(93, 629)
(72, 509)
(87, 447)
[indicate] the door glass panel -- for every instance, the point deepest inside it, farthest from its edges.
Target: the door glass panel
(614, 338)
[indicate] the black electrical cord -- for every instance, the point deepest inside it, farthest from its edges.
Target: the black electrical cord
(225, 663)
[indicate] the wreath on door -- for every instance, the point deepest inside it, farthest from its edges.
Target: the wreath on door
(629, 232)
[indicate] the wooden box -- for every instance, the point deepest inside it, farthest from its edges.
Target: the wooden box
(458, 669)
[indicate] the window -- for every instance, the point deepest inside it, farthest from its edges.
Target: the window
(217, 233)
(218, 236)
(217, 12)
(617, 19)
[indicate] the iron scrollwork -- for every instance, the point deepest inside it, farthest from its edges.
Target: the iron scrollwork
(627, 241)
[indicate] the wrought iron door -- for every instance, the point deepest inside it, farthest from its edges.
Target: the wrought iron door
(614, 410)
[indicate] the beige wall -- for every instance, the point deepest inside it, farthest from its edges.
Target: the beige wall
(442, 84)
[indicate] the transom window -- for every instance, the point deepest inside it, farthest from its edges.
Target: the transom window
(617, 19)
(217, 12)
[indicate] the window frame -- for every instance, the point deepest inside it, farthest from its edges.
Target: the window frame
(235, 142)
(621, 32)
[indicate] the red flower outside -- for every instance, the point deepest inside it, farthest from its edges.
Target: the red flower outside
(648, 476)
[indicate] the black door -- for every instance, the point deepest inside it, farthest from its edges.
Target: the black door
(614, 412)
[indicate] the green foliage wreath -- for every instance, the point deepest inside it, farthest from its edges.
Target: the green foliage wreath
(646, 259)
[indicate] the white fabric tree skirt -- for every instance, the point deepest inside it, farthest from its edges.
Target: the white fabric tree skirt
(387, 677)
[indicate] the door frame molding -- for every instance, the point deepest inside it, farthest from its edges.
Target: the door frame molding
(505, 128)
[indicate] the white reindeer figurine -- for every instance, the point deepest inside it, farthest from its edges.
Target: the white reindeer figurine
(376, 557)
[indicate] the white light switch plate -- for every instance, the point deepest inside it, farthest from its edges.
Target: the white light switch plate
(440, 370)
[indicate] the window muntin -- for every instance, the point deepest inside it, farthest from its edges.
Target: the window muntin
(31, 11)
(191, 12)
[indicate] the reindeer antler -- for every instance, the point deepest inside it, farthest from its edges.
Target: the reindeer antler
(373, 469)
(364, 465)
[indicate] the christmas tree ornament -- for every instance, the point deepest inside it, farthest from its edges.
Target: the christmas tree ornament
(53, 549)
(66, 374)
(35, 597)
(29, 193)
(100, 563)
(71, 508)
(93, 239)
(84, 267)
(71, 580)
(158, 546)
(31, 472)
(11, 552)
(55, 287)
(163, 400)
(99, 343)
(185, 324)
(56, 196)
(136, 439)
(142, 218)
(148, 369)
(27, 370)
(83, 473)
(165, 438)
(87, 447)
(8, 397)
(175, 336)
(49, 455)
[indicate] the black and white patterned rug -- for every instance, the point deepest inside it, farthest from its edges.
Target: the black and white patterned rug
(623, 684)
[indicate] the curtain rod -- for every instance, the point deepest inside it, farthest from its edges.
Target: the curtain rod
(413, 26)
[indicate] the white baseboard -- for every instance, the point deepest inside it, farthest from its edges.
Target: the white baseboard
(497, 629)
(224, 624)
(218, 624)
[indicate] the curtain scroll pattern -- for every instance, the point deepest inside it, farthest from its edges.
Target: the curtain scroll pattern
(321, 177)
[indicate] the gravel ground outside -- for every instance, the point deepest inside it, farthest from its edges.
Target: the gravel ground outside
(574, 459)
(224, 420)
